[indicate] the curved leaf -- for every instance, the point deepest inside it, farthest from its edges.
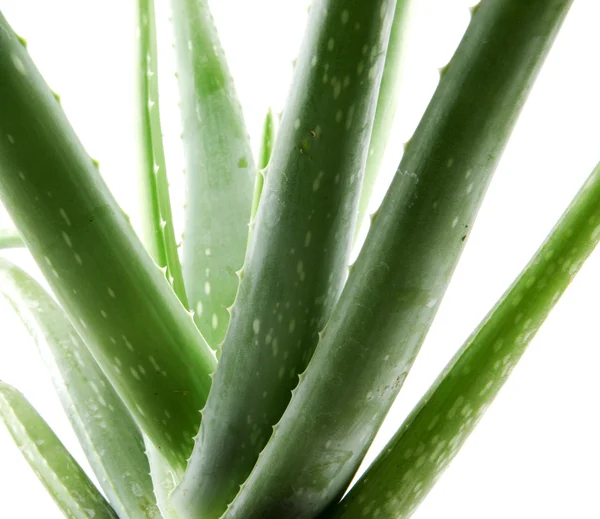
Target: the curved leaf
(267, 141)
(413, 460)
(64, 479)
(105, 429)
(386, 105)
(112, 291)
(157, 220)
(264, 155)
(164, 480)
(405, 265)
(299, 247)
(220, 171)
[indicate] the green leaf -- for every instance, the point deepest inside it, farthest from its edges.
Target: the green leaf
(64, 479)
(416, 456)
(220, 171)
(164, 480)
(267, 141)
(159, 234)
(402, 272)
(113, 293)
(386, 105)
(105, 429)
(264, 155)
(299, 248)
(10, 239)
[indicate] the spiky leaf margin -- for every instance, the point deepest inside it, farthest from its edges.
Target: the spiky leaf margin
(413, 460)
(220, 170)
(402, 272)
(114, 294)
(299, 248)
(157, 220)
(64, 479)
(105, 429)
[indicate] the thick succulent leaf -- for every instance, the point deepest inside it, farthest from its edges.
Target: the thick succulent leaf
(416, 456)
(386, 105)
(114, 294)
(299, 247)
(220, 171)
(402, 272)
(64, 479)
(10, 239)
(105, 429)
(157, 220)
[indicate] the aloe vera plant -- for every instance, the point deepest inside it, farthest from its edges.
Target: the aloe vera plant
(246, 375)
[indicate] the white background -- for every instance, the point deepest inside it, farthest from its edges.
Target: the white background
(536, 452)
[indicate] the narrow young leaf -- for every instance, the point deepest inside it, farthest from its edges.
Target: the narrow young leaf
(299, 248)
(220, 171)
(105, 429)
(403, 270)
(159, 234)
(152, 233)
(413, 460)
(64, 479)
(164, 480)
(267, 141)
(386, 105)
(10, 239)
(264, 155)
(112, 291)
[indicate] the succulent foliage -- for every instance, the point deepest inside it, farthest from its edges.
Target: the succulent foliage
(117, 298)
(220, 170)
(311, 353)
(321, 438)
(64, 479)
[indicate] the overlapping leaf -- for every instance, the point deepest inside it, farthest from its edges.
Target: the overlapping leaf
(299, 248)
(104, 427)
(118, 300)
(413, 460)
(159, 234)
(64, 479)
(220, 171)
(402, 272)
